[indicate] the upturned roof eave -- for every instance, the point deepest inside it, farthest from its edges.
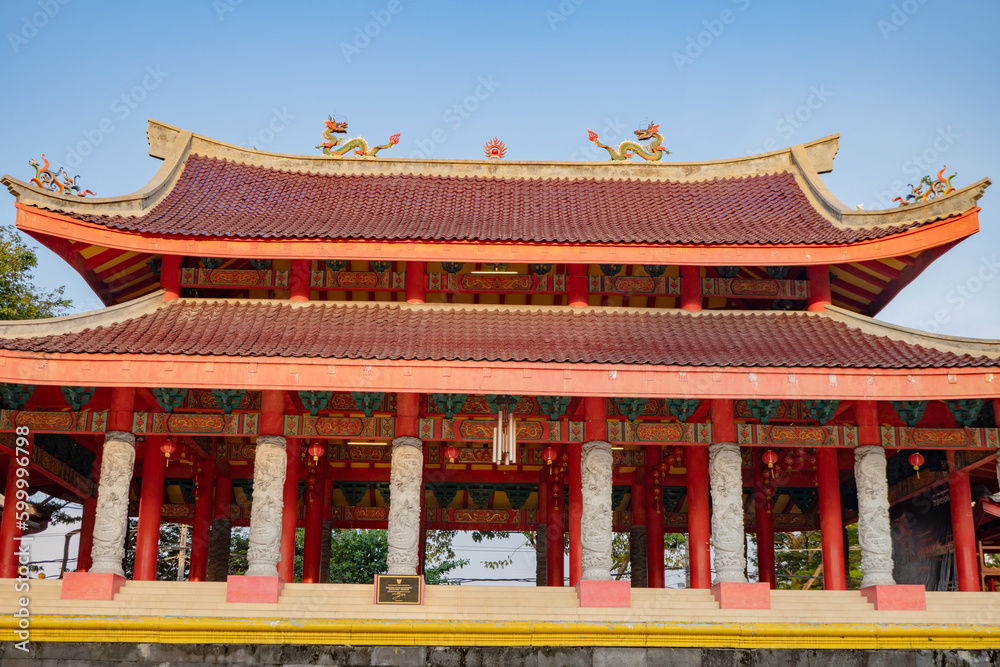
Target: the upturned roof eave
(806, 161)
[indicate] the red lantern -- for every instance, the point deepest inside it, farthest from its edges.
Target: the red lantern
(549, 454)
(916, 460)
(770, 458)
(168, 447)
(451, 453)
(316, 450)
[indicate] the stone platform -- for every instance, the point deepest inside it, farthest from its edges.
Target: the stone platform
(484, 616)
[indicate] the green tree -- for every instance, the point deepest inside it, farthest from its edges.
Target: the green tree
(356, 556)
(20, 299)
(798, 559)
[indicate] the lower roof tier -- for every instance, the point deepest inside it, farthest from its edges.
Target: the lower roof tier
(495, 333)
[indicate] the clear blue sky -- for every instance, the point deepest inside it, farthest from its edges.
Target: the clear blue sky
(897, 79)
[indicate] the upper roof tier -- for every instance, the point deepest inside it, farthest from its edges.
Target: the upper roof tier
(207, 188)
(216, 200)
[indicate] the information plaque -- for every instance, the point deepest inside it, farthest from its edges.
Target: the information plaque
(399, 589)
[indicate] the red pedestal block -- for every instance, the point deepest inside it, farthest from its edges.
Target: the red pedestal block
(604, 593)
(253, 589)
(90, 586)
(896, 598)
(735, 595)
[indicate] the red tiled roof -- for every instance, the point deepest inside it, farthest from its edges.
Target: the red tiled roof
(216, 197)
(497, 333)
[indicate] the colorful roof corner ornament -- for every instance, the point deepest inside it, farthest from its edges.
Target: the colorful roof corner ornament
(358, 145)
(495, 149)
(652, 152)
(935, 189)
(46, 179)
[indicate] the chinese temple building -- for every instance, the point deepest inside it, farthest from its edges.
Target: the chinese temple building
(353, 340)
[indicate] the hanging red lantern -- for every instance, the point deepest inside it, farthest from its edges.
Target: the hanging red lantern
(549, 455)
(451, 453)
(316, 450)
(770, 458)
(916, 460)
(168, 447)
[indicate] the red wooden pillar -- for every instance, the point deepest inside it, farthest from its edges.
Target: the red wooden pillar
(416, 282)
(699, 519)
(690, 288)
(170, 276)
(298, 279)
(819, 290)
(866, 415)
(289, 511)
(10, 524)
(765, 529)
(655, 577)
(201, 532)
(963, 527)
(573, 477)
(555, 531)
(314, 520)
(83, 558)
(223, 500)
(831, 522)
(147, 541)
(576, 286)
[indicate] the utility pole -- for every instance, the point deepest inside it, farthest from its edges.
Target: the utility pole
(182, 552)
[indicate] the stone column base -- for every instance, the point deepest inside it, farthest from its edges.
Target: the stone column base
(91, 585)
(241, 588)
(738, 595)
(604, 593)
(896, 597)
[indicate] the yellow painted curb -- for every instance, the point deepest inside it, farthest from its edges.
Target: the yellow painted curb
(181, 630)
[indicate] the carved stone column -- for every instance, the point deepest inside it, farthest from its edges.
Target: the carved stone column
(725, 470)
(264, 550)
(596, 519)
(111, 518)
(405, 488)
(874, 532)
